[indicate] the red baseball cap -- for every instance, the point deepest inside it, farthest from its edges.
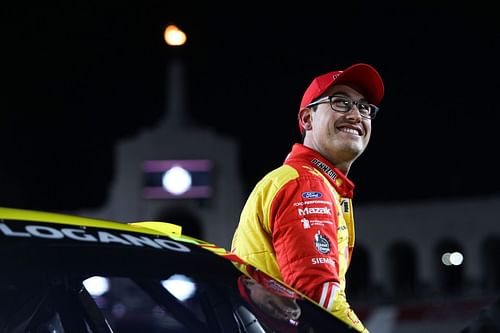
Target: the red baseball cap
(362, 75)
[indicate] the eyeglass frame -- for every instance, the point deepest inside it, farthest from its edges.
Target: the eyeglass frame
(322, 100)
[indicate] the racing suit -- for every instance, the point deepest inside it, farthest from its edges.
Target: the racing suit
(297, 226)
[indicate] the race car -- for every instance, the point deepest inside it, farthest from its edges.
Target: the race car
(73, 274)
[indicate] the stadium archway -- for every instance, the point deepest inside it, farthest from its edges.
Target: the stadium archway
(358, 277)
(449, 260)
(490, 255)
(402, 261)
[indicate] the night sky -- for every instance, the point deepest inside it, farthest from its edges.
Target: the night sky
(80, 75)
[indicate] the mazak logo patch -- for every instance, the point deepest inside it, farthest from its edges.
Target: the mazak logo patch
(314, 210)
(321, 243)
(312, 195)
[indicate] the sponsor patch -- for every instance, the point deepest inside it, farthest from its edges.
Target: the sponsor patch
(321, 243)
(319, 261)
(314, 210)
(312, 195)
(345, 205)
(325, 168)
(307, 223)
(312, 202)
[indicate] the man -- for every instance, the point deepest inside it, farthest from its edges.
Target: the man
(297, 224)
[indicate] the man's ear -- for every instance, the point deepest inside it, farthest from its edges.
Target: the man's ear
(305, 118)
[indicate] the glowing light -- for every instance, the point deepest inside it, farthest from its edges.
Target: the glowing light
(96, 285)
(452, 259)
(456, 258)
(176, 180)
(174, 36)
(181, 286)
(445, 259)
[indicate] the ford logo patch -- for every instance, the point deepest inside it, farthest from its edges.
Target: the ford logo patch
(312, 195)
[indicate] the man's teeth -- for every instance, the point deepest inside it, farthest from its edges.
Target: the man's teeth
(349, 130)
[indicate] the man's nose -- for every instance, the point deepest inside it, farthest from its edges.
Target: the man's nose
(354, 114)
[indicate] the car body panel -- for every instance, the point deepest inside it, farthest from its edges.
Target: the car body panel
(47, 257)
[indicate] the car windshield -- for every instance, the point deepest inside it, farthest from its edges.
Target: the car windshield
(112, 304)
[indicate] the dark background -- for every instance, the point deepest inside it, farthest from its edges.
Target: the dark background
(78, 76)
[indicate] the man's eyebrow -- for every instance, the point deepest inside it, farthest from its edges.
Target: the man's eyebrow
(345, 94)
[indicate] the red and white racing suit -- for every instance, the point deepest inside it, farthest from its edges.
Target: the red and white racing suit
(297, 225)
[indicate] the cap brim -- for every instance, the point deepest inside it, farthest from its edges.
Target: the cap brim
(366, 78)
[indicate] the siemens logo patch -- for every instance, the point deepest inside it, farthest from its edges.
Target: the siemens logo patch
(318, 261)
(81, 235)
(312, 195)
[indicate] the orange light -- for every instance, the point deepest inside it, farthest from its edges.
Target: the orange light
(174, 36)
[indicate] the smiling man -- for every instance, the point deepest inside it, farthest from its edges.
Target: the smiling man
(297, 224)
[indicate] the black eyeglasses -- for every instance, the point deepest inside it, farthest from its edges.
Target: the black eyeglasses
(344, 104)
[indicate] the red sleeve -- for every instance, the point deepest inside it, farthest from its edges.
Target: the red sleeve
(304, 224)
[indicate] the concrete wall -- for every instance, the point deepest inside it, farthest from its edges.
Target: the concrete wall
(423, 225)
